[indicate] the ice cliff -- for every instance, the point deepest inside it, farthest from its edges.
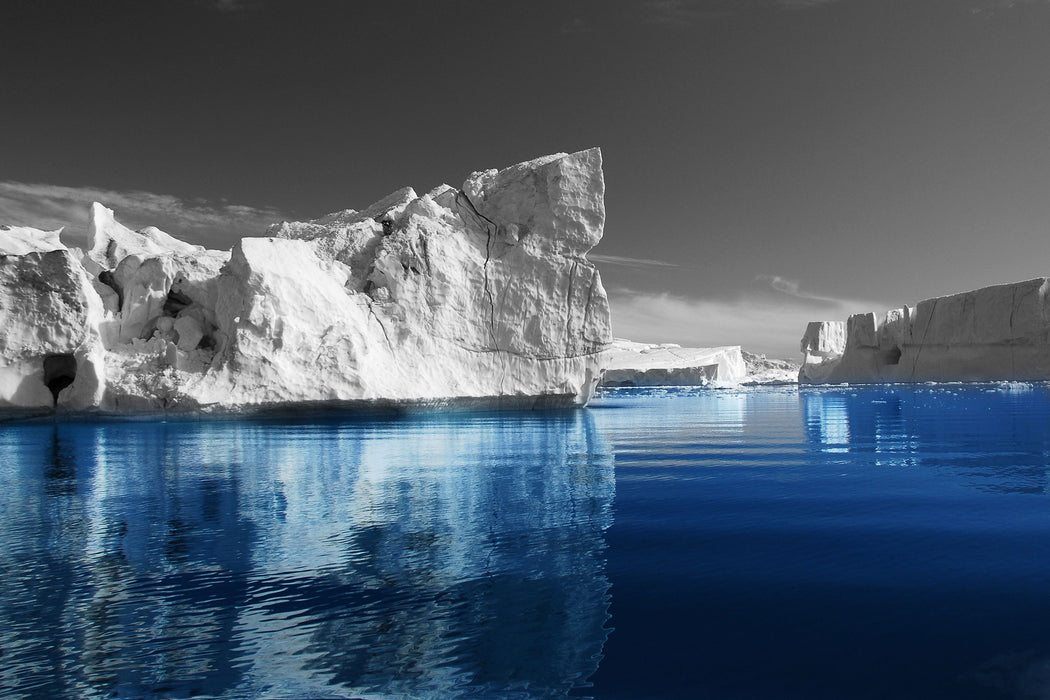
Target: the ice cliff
(477, 293)
(990, 334)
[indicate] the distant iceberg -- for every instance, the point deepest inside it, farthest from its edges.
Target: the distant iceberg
(477, 293)
(631, 364)
(998, 333)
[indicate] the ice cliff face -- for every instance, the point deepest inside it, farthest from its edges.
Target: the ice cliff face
(482, 292)
(991, 334)
(50, 316)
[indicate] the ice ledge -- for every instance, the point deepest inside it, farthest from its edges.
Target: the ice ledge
(998, 333)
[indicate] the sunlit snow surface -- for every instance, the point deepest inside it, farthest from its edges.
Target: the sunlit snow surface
(775, 543)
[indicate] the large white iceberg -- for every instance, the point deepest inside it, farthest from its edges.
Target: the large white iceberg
(997, 333)
(477, 293)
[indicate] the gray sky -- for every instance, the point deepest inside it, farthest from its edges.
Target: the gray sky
(767, 162)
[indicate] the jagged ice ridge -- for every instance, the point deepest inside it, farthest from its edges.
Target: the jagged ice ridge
(477, 293)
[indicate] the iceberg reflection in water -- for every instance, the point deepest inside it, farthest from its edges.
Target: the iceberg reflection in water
(815, 543)
(991, 437)
(429, 556)
(828, 543)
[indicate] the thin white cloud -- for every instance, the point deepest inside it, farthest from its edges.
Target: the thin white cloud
(759, 322)
(625, 261)
(216, 225)
(792, 288)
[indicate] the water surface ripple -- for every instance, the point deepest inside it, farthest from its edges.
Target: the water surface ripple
(844, 542)
(455, 556)
(849, 542)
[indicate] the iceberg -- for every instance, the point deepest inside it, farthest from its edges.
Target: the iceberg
(477, 294)
(630, 364)
(762, 370)
(998, 333)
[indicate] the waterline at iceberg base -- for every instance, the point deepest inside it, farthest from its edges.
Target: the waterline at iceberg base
(477, 293)
(808, 543)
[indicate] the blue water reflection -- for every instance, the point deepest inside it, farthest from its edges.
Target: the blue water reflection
(992, 437)
(845, 542)
(455, 556)
(851, 542)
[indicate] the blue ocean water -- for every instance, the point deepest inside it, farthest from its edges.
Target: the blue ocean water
(762, 543)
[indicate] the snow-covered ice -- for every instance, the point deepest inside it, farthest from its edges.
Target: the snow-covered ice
(998, 333)
(477, 293)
